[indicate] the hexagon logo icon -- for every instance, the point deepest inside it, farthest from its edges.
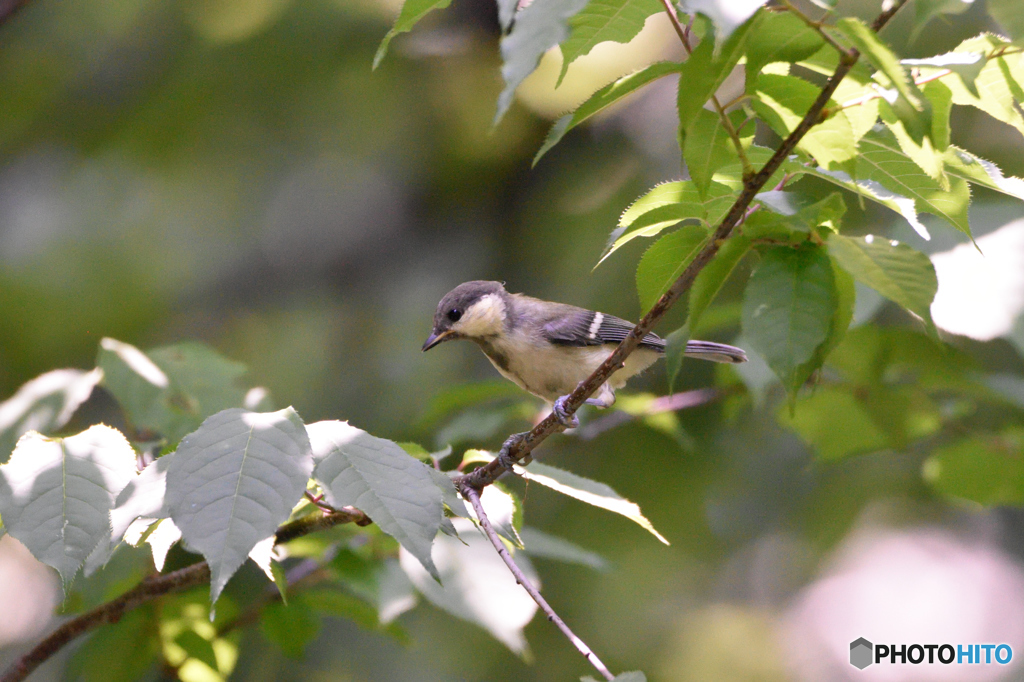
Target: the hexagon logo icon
(860, 653)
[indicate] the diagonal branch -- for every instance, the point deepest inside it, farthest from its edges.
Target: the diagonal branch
(150, 588)
(525, 444)
(474, 499)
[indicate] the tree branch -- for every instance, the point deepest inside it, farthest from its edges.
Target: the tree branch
(523, 446)
(474, 499)
(152, 587)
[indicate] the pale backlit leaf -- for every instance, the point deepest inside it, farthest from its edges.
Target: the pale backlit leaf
(56, 493)
(232, 482)
(378, 477)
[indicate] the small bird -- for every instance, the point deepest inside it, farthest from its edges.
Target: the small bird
(548, 348)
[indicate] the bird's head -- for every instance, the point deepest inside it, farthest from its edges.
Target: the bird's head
(471, 310)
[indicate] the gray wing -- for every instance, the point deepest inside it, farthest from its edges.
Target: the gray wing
(580, 327)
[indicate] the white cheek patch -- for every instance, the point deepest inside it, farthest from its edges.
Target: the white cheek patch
(483, 318)
(595, 325)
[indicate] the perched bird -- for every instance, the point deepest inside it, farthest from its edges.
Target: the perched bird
(548, 348)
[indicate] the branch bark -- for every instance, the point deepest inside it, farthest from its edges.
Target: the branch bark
(150, 588)
(523, 446)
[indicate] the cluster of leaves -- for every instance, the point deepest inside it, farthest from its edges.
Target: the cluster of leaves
(883, 137)
(230, 474)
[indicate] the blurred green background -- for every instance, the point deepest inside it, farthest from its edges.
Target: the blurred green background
(231, 171)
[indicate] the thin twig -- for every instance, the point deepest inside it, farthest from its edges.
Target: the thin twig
(490, 472)
(817, 26)
(684, 36)
(474, 499)
(150, 588)
(668, 403)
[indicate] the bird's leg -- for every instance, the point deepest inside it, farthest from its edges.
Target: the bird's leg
(605, 398)
(504, 458)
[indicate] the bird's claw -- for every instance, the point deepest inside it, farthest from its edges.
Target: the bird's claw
(569, 421)
(504, 456)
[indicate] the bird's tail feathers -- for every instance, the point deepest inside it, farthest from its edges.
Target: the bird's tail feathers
(715, 352)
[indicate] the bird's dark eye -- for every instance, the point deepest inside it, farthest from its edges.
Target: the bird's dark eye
(454, 314)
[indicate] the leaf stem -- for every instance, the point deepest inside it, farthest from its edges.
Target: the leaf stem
(684, 37)
(474, 499)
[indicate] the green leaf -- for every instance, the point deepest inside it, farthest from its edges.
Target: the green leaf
(586, 490)
(882, 160)
(603, 98)
(44, 404)
(925, 151)
(997, 87)
(874, 191)
(707, 285)
(292, 627)
(412, 12)
(782, 102)
(1009, 16)
(882, 58)
(705, 70)
(965, 165)
(707, 147)
(788, 308)
(170, 390)
(900, 273)
(846, 299)
(666, 205)
(537, 28)
(280, 580)
(780, 37)
(662, 264)
(476, 586)
(726, 15)
(834, 423)
(604, 20)
(925, 10)
(56, 494)
(541, 545)
(731, 175)
(862, 116)
(941, 99)
(376, 476)
(987, 469)
(233, 481)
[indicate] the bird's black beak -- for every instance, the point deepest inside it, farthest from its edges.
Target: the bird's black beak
(436, 338)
